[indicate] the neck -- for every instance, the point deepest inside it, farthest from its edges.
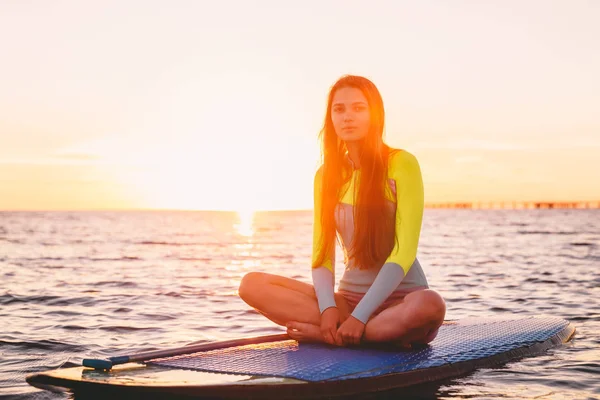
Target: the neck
(354, 152)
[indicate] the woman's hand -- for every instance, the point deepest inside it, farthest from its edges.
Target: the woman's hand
(330, 319)
(350, 332)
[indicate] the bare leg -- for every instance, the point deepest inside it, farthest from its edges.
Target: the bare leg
(287, 302)
(411, 321)
(293, 304)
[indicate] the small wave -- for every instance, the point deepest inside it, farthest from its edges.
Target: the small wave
(509, 286)
(467, 285)
(73, 327)
(588, 256)
(64, 313)
(547, 233)
(124, 258)
(124, 329)
(501, 309)
(536, 280)
(588, 368)
(49, 266)
(170, 294)
(519, 300)
(126, 284)
(40, 259)
(158, 317)
(8, 298)
(68, 301)
(43, 345)
(581, 318)
(485, 262)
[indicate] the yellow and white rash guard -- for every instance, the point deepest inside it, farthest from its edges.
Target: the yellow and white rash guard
(401, 270)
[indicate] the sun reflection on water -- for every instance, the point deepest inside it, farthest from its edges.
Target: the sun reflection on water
(243, 257)
(245, 225)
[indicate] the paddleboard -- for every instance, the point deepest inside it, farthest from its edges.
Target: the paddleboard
(278, 367)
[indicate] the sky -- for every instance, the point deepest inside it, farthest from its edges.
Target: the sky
(209, 105)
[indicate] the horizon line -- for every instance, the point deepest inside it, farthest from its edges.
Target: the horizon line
(487, 204)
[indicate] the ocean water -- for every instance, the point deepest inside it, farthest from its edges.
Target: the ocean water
(93, 284)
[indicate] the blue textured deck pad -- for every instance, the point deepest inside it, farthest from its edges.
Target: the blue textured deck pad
(462, 340)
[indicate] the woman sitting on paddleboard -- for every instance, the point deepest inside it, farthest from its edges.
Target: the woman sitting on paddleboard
(370, 197)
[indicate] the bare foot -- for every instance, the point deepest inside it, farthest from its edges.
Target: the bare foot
(304, 332)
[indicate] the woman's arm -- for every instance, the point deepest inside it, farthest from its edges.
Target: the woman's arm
(406, 172)
(323, 275)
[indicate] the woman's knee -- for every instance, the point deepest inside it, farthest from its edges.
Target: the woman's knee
(249, 284)
(432, 303)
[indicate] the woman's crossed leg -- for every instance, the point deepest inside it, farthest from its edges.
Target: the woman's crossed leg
(294, 304)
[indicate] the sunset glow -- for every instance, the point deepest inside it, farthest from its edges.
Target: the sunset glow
(213, 107)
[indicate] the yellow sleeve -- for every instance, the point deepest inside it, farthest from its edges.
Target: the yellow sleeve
(317, 227)
(406, 172)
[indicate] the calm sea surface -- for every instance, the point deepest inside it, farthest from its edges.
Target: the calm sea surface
(80, 284)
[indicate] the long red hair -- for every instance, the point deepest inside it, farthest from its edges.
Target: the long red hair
(372, 224)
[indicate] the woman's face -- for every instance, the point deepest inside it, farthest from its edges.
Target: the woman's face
(350, 114)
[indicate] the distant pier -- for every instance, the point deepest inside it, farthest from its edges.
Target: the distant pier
(517, 205)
